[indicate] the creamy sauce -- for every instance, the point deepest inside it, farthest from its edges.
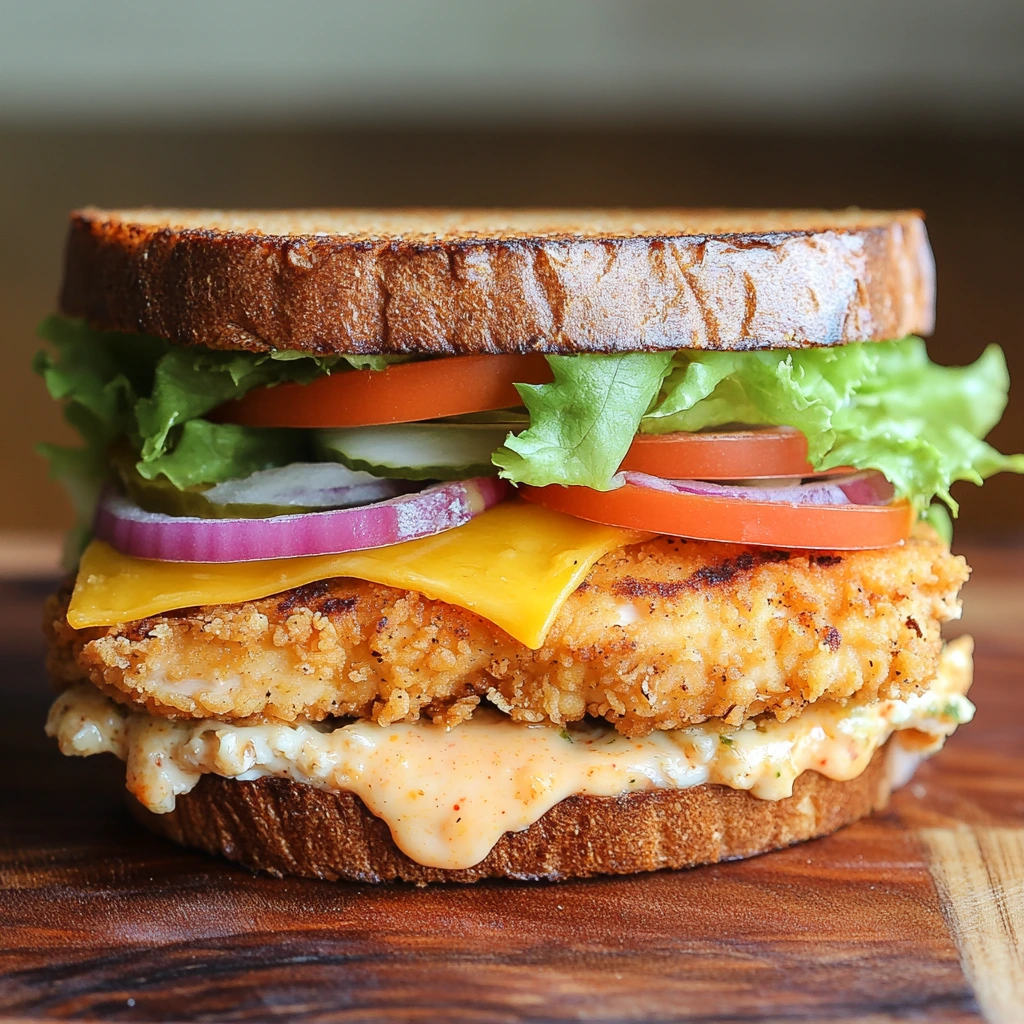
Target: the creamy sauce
(449, 795)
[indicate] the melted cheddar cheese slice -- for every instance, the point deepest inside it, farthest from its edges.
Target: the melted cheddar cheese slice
(514, 565)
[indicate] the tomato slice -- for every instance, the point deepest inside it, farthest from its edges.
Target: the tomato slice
(733, 520)
(722, 455)
(402, 393)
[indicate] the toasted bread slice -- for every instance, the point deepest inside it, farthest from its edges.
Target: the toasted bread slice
(288, 828)
(444, 282)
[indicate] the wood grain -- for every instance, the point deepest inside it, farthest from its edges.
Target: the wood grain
(979, 873)
(905, 916)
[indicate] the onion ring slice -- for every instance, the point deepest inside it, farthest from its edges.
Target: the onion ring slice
(133, 531)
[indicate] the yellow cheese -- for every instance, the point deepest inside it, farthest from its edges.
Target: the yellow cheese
(514, 565)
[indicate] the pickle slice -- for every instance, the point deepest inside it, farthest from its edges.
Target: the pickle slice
(282, 491)
(417, 451)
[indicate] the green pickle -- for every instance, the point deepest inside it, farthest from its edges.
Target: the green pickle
(161, 496)
(442, 450)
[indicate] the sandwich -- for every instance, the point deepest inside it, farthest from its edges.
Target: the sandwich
(438, 545)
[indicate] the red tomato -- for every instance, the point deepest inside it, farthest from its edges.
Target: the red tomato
(722, 455)
(734, 520)
(402, 393)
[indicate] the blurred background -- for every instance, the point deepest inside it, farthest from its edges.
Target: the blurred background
(877, 103)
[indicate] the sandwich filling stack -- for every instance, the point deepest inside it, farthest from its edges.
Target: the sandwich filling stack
(442, 545)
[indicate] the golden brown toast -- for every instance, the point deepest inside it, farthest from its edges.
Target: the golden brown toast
(287, 828)
(443, 282)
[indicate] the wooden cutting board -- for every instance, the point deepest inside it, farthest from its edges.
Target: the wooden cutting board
(917, 914)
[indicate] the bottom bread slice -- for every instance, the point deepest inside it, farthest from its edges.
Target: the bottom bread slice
(290, 828)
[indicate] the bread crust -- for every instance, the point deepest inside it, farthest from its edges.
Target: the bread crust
(447, 282)
(288, 828)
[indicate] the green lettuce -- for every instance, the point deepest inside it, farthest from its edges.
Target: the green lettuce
(152, 393)
(208, 452)
(874, 405)
(582, 424)
(881, 405)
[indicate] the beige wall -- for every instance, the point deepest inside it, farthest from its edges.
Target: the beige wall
(969, 184)
(525, 61)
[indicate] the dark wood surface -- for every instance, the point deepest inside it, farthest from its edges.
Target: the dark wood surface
(917, 914)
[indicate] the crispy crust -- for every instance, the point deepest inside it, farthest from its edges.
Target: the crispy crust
(661, 634)
(287, 828)
(445, 282)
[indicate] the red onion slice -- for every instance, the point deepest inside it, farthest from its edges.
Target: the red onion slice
(866, 488)
(134, 531)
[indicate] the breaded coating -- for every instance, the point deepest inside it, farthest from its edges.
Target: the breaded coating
(660, 635)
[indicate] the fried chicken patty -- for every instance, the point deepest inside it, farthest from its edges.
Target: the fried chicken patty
(660, 635)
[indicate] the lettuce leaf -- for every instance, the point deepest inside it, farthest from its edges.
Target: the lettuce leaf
(208, 452)
(153, 393)
(582, 424)
(189, 382)
(881, 405)
(874, 405)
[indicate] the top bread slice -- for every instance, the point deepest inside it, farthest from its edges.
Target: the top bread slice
(446, 282)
